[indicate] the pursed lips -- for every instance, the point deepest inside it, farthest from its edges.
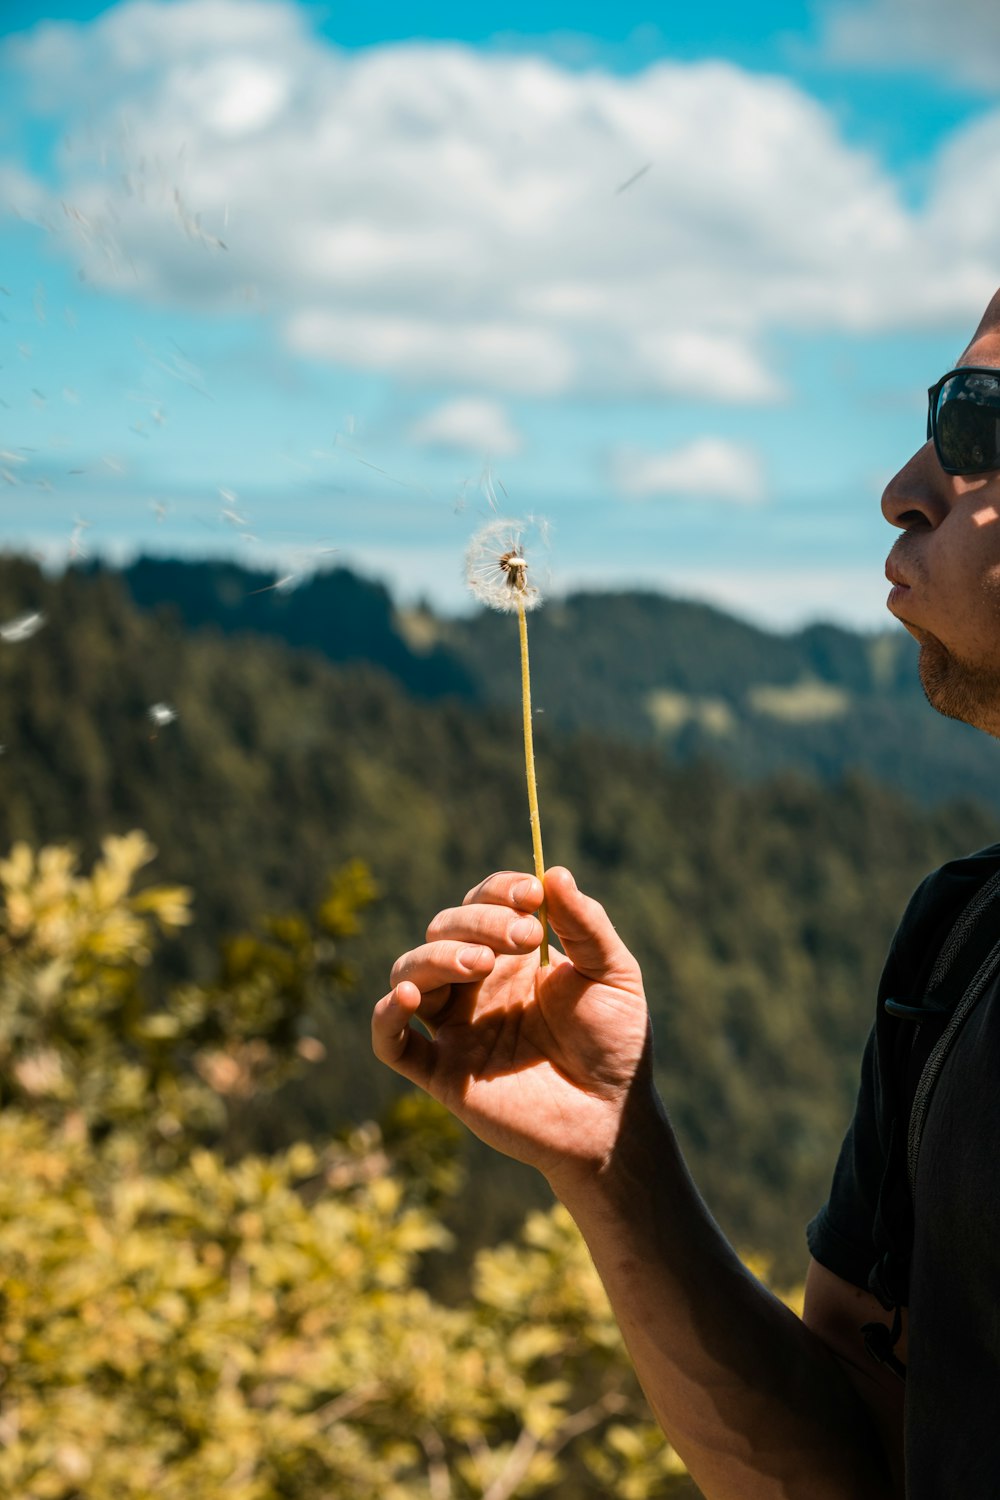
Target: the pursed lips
(901, 588)
(902, 572)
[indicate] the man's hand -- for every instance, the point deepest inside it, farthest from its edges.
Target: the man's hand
(538, 1062)
(553, 1066)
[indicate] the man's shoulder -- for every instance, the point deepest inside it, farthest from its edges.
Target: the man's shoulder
(937, 904)
(952, 885)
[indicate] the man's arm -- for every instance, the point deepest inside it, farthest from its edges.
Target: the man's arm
(758, 1403)
(554, 1067)
(837, 1311)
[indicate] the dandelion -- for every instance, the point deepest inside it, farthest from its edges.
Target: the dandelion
(161, 714)
(496, 569)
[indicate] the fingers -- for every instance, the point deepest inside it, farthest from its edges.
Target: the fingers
(501, 929)
(438, 964)
(444, 972)
(507, 888)
(587, 936)
(395, 1042)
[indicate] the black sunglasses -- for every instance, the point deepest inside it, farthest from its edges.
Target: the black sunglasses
(963, 418)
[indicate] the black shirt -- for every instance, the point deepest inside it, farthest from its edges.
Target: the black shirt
(947, 1252)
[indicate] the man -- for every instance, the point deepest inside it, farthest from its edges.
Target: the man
(553, 1066)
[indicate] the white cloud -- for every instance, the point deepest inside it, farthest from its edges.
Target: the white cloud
(711, 365)
(961, 39)
(469, 424)
(451, 217)
(707, 468)
(526, 359)
(247, 96)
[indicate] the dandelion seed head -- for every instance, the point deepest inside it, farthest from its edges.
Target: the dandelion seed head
(161, 714)
(498, 566)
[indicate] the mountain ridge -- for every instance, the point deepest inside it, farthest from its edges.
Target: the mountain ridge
(638, 666)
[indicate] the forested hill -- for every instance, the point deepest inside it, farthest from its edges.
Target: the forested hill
(637, 666)
(760, 911)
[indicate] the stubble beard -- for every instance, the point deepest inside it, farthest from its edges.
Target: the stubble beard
(960, 690)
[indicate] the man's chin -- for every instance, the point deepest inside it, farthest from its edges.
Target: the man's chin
(956, 690)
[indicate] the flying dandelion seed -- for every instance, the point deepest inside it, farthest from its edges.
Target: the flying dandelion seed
(76, 547)
(281, 585)
(496, 570)
(229, 513)
(630, 181)
(21, 628)
(486, 484)
(161, 714)
(461, 498)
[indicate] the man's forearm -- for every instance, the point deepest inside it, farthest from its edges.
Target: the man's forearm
(753, 1401)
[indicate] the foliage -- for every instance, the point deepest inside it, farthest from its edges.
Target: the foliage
(219, 1330)
(182, 1323)
(83, 1037)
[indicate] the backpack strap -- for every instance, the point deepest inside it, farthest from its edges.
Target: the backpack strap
(923, 1026)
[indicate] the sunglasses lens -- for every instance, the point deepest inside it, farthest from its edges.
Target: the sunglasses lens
(967, 421)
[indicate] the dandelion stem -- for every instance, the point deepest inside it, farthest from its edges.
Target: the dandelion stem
(529, 766)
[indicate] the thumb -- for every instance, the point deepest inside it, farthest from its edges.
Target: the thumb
(586, 933)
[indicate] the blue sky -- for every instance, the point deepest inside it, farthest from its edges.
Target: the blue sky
(303, 285)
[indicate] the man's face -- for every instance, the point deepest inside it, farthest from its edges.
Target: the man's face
(945, 568)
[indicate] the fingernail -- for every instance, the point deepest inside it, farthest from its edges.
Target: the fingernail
(521, 930)
(472, 958)
(523, 893)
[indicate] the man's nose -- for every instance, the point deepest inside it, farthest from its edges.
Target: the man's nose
(916, 499)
